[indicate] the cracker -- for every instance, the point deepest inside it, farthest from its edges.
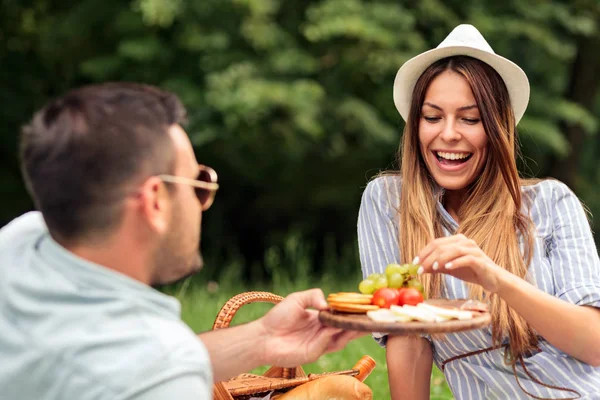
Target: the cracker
(352, 308)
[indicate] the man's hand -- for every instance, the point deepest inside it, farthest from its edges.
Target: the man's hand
(293, 334)
(289, 335)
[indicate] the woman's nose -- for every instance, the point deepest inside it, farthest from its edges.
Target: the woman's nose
(449, 132)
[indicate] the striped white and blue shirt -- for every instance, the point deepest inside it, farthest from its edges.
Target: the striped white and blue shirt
(565, 264)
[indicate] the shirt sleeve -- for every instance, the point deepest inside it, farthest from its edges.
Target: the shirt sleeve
(377, 226)
(573, 253)
(186, 387)
(22, 229)
(378, 229)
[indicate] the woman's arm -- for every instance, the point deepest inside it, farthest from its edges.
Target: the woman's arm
(409, 361)
(569, 319)
(571, 328)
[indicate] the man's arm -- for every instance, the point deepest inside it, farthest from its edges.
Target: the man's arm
(290, 334)
(234, 350)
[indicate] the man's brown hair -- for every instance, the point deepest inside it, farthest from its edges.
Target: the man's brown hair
(83, 153)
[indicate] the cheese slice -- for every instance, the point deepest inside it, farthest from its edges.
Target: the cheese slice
(385, 315)
(447, 313)
(415, 313)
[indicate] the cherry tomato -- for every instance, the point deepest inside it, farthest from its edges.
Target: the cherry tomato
(410, 296)
(415, 283)
(385, 297)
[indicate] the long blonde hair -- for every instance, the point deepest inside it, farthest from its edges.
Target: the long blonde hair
(492, 212)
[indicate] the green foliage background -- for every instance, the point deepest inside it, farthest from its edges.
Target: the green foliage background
(291, 101)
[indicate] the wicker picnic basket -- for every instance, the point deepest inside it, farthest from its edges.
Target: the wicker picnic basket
(275, 378)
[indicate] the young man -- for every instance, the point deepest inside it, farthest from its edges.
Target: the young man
(120, 196)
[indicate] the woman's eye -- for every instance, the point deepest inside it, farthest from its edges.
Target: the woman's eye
(431, 119)
(471, 121)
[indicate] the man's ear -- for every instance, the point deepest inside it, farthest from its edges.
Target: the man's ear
(155, 204)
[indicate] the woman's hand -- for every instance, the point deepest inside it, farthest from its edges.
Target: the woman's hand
(462, 258)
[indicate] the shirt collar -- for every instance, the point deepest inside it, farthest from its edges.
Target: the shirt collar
(447, 221)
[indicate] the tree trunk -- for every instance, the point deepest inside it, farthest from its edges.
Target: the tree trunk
(583, 86)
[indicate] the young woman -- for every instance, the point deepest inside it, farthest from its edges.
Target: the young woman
(459, 209)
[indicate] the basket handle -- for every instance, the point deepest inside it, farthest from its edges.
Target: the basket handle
(361, 369)
(229, 309)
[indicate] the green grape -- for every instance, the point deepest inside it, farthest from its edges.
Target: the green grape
(403, 269)
(395, 280)
(366, 286)
(412, 269)
(415, 283)
(381, 282)
(374, 276)
(392, 269)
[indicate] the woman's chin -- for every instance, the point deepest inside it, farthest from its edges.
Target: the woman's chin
(453, 184)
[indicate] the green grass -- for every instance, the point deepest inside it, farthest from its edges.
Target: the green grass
(201, 302)
(289, 269)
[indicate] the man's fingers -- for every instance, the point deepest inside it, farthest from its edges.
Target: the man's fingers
(312, 298)
(341, 339)
(326, 336)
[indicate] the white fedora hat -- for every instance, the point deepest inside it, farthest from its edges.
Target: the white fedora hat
(464, 40)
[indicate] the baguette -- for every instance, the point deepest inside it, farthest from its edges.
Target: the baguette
(335, 387)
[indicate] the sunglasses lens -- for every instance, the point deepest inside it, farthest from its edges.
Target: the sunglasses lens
(204, 176)
(204, 195)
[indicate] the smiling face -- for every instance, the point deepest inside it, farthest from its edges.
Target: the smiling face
(452, 139)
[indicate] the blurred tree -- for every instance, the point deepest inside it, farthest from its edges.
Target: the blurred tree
(291, 100)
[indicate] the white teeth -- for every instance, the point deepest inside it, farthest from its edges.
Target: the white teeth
(453, 156)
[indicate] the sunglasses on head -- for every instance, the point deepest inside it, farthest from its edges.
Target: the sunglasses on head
(205, 185)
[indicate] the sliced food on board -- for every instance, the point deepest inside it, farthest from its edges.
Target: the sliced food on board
(398, 296)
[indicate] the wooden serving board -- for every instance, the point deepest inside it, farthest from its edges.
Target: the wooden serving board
(361, 322)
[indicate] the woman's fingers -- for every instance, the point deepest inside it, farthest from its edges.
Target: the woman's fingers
(460, 257)
(440, 253)
(436, 243)
(442, 258)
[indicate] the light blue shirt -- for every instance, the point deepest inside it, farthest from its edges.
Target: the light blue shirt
(565, 264)
(74, 330)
